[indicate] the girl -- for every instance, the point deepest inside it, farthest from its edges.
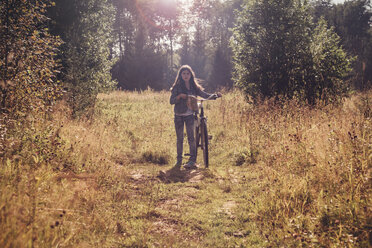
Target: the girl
(184, 85)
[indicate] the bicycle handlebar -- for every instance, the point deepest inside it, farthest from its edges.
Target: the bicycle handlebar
(211, 97)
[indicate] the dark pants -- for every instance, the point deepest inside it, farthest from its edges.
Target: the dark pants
(179, 124)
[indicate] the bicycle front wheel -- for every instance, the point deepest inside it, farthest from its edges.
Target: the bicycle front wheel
(204, 141)
(197, 138)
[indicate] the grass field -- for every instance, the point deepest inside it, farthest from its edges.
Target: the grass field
(281, 175)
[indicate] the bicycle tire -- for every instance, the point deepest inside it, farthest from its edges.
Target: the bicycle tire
(197, 139)
(204, 140)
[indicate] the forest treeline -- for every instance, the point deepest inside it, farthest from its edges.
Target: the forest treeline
(303, 49)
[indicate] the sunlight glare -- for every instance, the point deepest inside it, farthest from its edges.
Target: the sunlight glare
(188, 2)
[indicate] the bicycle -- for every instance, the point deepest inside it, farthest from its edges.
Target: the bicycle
(201, 131)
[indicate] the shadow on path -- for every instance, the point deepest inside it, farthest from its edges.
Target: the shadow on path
(178, 174)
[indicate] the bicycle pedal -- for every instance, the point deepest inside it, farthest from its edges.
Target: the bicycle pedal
(210, 137)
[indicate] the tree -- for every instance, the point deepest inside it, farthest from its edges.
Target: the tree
(221, 69)
(273, 53)
(270, 46)
(352, 22)
(143, 61)
(123, 30)
(221, 23)
(321, 8)
(86, 51)
(330, 62)
(199, 50)
(185, 50)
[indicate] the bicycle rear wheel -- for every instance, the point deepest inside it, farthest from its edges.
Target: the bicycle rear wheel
(204, 141)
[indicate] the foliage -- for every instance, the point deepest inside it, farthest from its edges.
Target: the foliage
(221, 24)
(210, 51)
(351, 21)
(185, 50)
(28, 81)
(86, 55)
(199, 45)
(273, 52)
(157, 36)
(138, 72)
(330, 62)
(142, 31)
(28, 66)
(150, 39)
(270, 47)
(221, 69)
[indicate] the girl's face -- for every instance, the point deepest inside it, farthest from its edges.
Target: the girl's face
(186, 75)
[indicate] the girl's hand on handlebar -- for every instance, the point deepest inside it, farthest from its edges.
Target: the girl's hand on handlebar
(216, 95)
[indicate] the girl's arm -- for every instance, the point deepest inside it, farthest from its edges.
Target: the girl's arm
(203, 94)
(173, 98)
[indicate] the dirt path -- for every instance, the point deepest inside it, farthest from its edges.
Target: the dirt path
(161, 206)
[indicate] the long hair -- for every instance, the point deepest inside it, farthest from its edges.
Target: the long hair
(193, 80)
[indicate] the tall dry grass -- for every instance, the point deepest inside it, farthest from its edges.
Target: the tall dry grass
(281, 175)
(314, 168)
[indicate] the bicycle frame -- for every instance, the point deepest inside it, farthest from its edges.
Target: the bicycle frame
(200, 103)
(200, 126)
